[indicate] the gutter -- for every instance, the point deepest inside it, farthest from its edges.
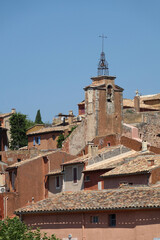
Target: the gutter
(87, 210)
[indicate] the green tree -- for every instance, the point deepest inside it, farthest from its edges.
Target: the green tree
(38, 119)
(14, 229)
(60, 140)
(61, 137)
(29, 123)
(18, 130)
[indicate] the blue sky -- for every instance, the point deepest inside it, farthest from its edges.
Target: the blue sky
(49, 49)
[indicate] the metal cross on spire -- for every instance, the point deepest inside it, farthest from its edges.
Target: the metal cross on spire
(103, 37)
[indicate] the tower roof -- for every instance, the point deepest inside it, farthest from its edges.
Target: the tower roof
(103, 66)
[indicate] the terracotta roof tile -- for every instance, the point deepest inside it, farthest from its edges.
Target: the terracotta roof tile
(128, 198)
(111, 162)
(3, 115)
(55, 172)
(49, 129)
(138, 165)
(18, 164)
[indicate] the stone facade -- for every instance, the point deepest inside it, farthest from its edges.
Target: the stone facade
(103, 107)
(149, 130)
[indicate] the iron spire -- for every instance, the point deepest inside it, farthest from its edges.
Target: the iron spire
(103, 65)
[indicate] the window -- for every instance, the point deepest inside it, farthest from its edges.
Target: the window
(112, 220)
(75, 175)
(12, 179)
(94, 219)
(18, 160)
(109, 93)
(87, 178)
(57, 182)
(53, 137)
(108, 144)
(36, 140)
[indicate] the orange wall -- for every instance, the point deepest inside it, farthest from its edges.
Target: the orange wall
(131, 143)
(115, 181)
(94, 176)
(131, 225)
(31, 179)
(46, 142)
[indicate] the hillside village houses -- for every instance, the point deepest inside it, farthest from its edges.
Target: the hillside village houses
(104, 183)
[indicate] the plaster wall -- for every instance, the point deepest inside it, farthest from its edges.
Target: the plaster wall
(52, 186)
(69, 185)
(115, 181)
(47, 141)
(94, 178)
(130, 225)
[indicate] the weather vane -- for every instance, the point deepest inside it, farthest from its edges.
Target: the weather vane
(103, 37)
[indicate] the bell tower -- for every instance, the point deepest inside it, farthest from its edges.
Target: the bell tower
(103, 103)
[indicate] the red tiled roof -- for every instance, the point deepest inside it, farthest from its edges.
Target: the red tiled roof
(140, 164)
(127, 198)
(49, 129)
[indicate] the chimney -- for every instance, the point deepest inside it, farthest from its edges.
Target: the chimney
(13, 110)
(92, 149)
(144, 146)
(137, 102)
(70, 117)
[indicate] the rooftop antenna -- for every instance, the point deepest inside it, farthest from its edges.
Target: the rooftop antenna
(103, 65)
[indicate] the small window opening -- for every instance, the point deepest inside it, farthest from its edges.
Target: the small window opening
(57, 182)
(94, 219)
(53, 137)
(109, 93)
(108, 144)
(112, 220)
(87, 178)
(75, 175)
(38, 140)
(18, 160)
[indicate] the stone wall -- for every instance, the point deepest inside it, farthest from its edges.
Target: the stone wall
(109, 154)
(149, 130)
(76, 141)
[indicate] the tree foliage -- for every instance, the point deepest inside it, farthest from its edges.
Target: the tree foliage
(18, 130)
(14, 229)
(61, 137)
(60, 140)
(38, 119)
(29, 123)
